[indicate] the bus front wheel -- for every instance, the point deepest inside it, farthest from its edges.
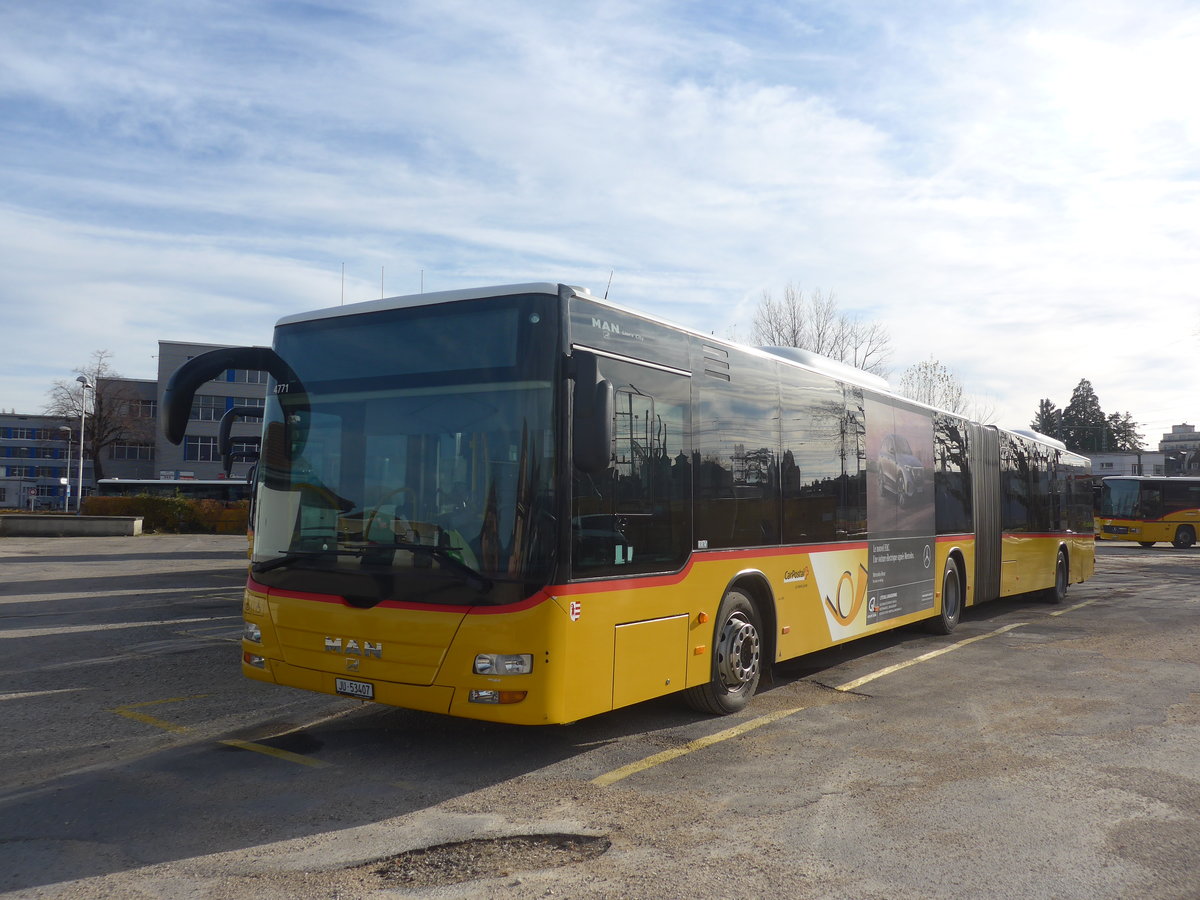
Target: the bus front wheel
(736, 659)
(1185, 536)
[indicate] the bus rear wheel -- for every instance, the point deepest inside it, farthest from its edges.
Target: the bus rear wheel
(1185, 536)
(1062, 578)
(736, 659)
(952, 602)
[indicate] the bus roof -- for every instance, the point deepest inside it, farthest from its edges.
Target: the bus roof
(804, 358)
(410, 300)
(792, 356)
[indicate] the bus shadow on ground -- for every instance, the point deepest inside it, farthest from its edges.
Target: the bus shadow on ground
(821, 665)
(269, 784)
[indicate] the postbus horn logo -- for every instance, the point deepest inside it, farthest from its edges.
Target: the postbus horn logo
(849, 597)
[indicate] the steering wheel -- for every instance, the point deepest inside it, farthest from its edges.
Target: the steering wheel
(332, 500)
(375, 511)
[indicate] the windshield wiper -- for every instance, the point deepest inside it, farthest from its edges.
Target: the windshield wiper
(291, 556)
(474, 577)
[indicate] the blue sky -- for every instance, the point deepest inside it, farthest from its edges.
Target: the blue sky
(1010, 188)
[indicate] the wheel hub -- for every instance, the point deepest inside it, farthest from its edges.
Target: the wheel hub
(738, 652)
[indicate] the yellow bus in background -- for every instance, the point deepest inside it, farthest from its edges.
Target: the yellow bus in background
(1149, 510)
(526, 504)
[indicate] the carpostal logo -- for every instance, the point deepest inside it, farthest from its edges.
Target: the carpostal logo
(795, 576)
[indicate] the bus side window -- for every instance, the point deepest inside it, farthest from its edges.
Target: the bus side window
(636, 515)
(737, 455)
(1151, 505)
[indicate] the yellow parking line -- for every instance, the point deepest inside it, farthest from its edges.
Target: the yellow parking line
(699, 744)
(277, 753)
(879, 673)
(128, 712)
(1061, 612)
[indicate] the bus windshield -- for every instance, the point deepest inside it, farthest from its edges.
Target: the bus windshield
(1119, 499)
(413, 459)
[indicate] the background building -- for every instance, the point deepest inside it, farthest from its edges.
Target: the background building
(34, 455)
(34, 449)
(197, 456)
(1127, 462)
(1182, 450)
(134, 424)
(1178, 454)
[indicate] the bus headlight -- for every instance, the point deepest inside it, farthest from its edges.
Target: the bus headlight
(252, 633)
(503, 663)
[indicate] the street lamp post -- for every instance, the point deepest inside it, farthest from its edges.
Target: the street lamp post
(82, 416)
(67, 480)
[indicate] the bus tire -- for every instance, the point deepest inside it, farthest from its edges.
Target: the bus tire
(736, 659)
(1185, 536)
(952, 602)
(1147, 543)
(1062, 578)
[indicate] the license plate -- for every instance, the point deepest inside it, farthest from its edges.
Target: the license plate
(363, 690)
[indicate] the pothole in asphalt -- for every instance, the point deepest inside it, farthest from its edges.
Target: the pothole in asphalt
(488, 858)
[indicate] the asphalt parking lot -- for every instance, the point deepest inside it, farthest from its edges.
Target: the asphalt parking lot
(1039, 751)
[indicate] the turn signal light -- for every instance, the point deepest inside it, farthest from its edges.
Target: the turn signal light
(251, 660)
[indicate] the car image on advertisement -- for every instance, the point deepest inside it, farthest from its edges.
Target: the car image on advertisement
(900, 471)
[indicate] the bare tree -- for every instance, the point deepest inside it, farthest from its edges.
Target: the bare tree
(931, 383)
(110, 417)
(816, 324)
(981, 409)
(866, 345)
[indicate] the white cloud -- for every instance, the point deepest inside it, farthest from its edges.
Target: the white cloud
(1010, 189)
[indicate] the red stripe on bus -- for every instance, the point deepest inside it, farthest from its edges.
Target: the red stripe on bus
(647, 581)
(583, 587)
(1047, 534)
(533, 600)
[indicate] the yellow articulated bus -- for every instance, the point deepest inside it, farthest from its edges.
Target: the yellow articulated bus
(1149, 510)
(525, 504)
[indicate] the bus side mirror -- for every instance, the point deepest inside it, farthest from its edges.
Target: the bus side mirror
(591, 434)
(183, 384)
